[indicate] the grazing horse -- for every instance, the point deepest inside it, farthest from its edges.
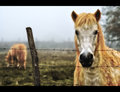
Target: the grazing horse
(96, 63)
(17, 56)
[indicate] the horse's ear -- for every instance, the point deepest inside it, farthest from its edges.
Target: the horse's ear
(97, 15)
(74, 15)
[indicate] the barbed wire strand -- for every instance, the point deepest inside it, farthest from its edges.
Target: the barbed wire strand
(52, 49)
(40, 66)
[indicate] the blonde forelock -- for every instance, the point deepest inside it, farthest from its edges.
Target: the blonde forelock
(85, 19)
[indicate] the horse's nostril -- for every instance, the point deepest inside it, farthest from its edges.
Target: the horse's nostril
(82, 57)
(90, 56)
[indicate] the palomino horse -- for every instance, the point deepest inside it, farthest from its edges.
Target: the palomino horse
(17, 56)
(96, 64)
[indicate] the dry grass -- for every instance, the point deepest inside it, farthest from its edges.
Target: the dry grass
(56, 69)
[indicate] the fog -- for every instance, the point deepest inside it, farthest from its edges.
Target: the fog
(48, 23)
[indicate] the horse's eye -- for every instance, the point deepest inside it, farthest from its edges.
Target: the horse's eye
(76, 32)
(95, 32)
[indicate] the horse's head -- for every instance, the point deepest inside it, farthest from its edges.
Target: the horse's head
(86, 32)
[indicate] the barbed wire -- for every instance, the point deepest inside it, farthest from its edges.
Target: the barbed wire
(54, 49)
(51, 66)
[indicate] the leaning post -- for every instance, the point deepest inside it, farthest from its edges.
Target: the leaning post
(35, 64)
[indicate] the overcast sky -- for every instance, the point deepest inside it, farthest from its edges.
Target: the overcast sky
(47, 22)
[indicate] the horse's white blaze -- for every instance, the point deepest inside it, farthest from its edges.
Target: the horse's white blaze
(86, 50)
(86, 39)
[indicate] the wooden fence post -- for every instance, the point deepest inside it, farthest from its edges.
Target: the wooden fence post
(35, 65)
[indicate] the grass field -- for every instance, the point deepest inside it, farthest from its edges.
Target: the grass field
(56, 69)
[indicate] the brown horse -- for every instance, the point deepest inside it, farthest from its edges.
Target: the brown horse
(96, 63)
(17, 56)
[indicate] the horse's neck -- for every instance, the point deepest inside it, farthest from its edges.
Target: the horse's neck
(92, 77)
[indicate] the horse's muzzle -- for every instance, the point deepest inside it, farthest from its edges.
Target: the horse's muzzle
(86, 60)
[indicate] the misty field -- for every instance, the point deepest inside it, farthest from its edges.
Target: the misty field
(56, 69)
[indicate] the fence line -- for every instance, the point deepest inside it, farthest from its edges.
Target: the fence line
(54, 49)
(66, 66)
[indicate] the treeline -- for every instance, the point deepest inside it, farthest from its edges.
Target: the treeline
(40, 45)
